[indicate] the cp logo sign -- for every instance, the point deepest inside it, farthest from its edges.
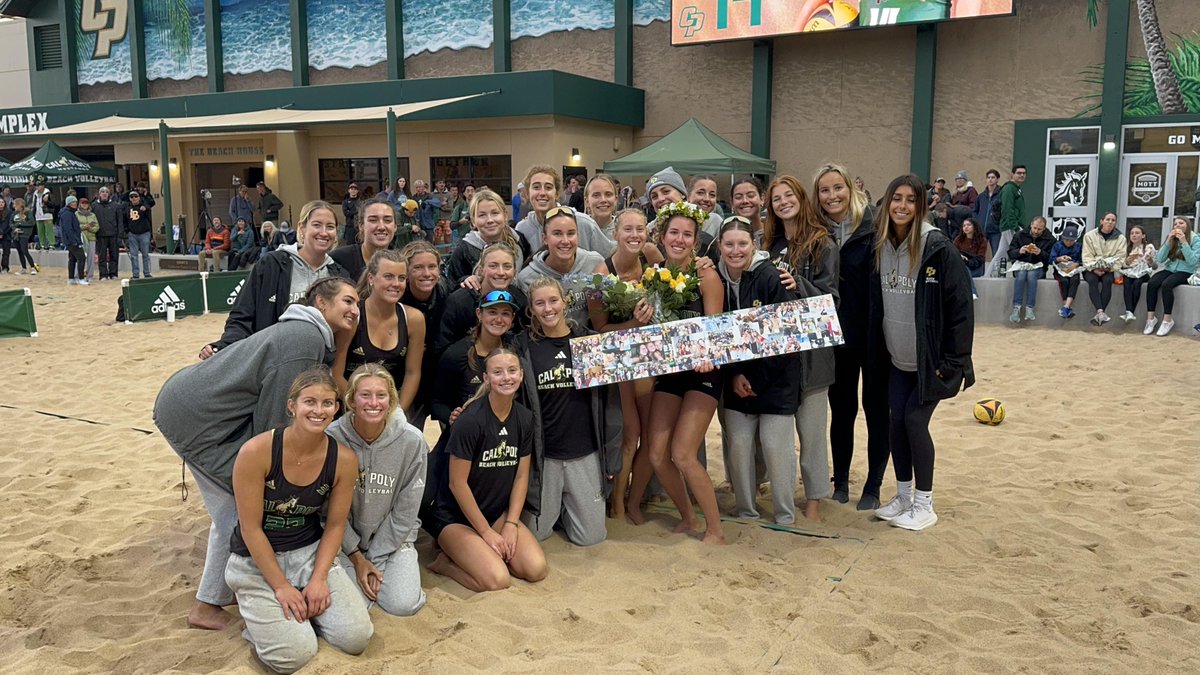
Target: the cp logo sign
(108, 19)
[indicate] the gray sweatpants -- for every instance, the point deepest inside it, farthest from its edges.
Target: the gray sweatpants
(571, 490)
(812, 425)
(774, 434)
(218, 499)
(1006, 238)
(285, 645)
(400, 593)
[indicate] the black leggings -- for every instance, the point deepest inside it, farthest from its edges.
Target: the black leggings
(1067, 286)
(843, 409)
(75, 261)
(23, 255)
(1166, 282)
(6, 245)
(1133, 292)
(1099, 289)
(912, 446)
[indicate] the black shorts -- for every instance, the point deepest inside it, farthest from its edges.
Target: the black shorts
(678, 384)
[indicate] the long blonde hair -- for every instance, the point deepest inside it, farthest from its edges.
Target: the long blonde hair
(485, 388)
(858, 198)
(506, 233)
(364, 284)
(363, 372)
(535, 324)
(502, 248)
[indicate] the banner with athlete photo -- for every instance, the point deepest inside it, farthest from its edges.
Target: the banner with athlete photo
(732, 337)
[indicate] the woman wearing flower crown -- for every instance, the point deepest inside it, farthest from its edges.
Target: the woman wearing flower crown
(683, 403)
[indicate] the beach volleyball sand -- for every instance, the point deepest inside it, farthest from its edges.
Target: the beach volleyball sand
(1067, 540)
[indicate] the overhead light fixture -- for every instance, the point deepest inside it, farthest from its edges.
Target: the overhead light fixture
(574, 154)
(173, 164)
(1110, 142)
(154, 165)
(270, 161)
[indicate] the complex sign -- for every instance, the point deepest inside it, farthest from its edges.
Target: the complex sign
(700, 21)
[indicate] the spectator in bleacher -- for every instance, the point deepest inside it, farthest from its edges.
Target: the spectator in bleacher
(243, 250)
(350, 206)
(938, 193)
(972, 247)
(241, 206)
(88, 227)
(1067, 256)
(1140, 261)
(1011, 216)
(269, 205)
(398, 194)
(1179, 257)
(460, 220)
(1103, 250)
(267, 232)
(217, 242)
(1029, 257)
(429, 208)
(284, 235)
(984, 203)
(964, 193)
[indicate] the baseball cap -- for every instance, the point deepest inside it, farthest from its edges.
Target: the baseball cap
(354, 186)
(1071, 231)
(961, 175)
(495, 298)
(410, 205)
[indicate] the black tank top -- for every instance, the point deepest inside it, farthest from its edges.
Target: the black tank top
(363, 351)
(694, 308)
(612, 268)
(291, 513)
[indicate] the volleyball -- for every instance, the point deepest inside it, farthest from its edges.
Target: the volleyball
(989, 411)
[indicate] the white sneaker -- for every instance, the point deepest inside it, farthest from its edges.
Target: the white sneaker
(916, 518)
(1150, 324)
(1127, 317)
(84, 282)
(1165, 328)
(1104, 317)
(894, 508)
(71, 282)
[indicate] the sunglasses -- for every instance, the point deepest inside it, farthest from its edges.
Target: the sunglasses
(497, 296)
(736, 219)
(561, 211)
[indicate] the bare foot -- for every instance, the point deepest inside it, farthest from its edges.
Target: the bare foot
(812, 510)
(617, 509)
(634, 514)
(715, 538)
(685, 526)
(438, 566)
(208, 617)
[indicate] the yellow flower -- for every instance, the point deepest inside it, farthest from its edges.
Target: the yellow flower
(649, 274)
(665, 275)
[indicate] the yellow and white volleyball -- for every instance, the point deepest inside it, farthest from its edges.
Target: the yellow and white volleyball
(837, 14)
(989, 411)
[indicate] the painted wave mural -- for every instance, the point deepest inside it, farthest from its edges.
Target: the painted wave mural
(257, 37)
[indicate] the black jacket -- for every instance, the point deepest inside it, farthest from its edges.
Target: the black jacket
(775, 379)
(945, 318)
(459, 316)
(465, 256)
(269, 205)
(433, 309)
(606, 425)
(1024, 237)
(112, 217)
(349, 256)
(857, 263)
(818, 368)
(263, 297)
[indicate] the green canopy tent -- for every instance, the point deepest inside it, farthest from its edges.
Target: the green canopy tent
(55, 166)
(692, 148)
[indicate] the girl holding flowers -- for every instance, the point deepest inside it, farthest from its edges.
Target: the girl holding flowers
(683, 403)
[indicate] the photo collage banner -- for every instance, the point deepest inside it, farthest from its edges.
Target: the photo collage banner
(743, 335)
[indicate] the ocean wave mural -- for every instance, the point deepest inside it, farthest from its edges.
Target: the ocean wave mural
(256, 34)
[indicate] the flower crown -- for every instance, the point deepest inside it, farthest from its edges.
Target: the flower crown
(683, 208)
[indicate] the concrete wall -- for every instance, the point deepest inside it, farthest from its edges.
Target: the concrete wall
(14, 65)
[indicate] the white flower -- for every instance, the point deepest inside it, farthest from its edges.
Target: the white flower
(680, 287)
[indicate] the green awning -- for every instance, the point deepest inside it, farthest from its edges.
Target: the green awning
(692, 148)
(54, 166)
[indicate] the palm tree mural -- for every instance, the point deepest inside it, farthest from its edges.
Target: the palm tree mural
(169, 19)
(1160, 73)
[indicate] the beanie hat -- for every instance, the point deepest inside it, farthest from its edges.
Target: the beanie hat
(961, 175)
(410, 205)
(668, 176)
(71, 200)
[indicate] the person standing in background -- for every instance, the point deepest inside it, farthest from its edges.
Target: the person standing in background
(89, 225)
(139, 229)
(73, 240)
(984, 203)
(241, 206)
(113, 220)
(44, 207)
(350, 206)
(1011, 217)
(269, 205)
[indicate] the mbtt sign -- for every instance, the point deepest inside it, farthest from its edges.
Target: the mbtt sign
(1147, 186)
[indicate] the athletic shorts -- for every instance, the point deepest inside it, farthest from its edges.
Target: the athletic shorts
(678, 384)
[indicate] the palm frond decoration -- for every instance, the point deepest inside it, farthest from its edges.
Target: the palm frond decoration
(172, 23)
(85, 42)
(1141, 98)
(1093, 13)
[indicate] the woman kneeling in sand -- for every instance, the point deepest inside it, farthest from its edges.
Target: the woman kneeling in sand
(476, 515)
(378, 544)
(282, 564)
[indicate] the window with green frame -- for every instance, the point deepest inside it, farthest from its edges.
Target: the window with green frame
(370, 174)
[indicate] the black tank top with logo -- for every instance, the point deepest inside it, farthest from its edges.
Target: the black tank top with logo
(291, 513)
(363, 351)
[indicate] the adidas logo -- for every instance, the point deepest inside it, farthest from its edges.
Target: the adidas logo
(233, 295)
(270, 299)
(707, 384)
(167, 298)
(560, 355)
(359, 351)
(476, 380)
(503, 431)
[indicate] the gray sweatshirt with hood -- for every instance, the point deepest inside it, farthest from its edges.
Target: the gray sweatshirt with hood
(586, 262)
(760, 257)
(208, 410)
(899, 284)
(304, 276)
(591, 237)
(388, 489)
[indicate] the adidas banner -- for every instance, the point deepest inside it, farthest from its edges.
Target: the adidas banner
(148, 299)
(16, 314)
(221, 289)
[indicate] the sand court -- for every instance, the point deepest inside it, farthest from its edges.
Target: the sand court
(1066, 542)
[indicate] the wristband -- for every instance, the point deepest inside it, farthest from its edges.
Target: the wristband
(514, 524)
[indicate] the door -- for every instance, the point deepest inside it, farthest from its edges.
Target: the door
(1148, 193)
(1071, 184)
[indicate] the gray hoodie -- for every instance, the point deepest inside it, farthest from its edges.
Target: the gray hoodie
(899, 284)
(591, 237)
(586, 262)
(304, 276)
(387, 492)
(208, 410)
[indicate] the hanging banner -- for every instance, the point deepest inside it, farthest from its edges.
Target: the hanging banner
(16, 314)
(675, 346)
(149, 299)
(221, 289)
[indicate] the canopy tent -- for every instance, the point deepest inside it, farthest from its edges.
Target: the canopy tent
(4, 162)
(54, 166)
(255, 118)
(692, 148)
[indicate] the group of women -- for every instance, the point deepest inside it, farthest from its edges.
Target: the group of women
(317, 480)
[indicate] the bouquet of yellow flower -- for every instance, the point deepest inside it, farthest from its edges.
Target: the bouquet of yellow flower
(668, 290)
(618, 297)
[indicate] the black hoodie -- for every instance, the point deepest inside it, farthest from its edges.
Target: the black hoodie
(854, 284)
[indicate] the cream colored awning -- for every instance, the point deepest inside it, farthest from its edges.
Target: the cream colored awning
(274, 117)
